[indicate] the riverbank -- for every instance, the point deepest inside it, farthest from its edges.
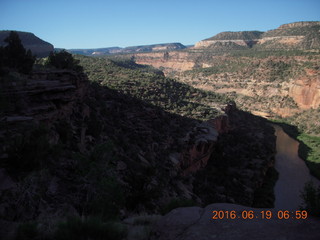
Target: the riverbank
(293, 172)
(309, 146)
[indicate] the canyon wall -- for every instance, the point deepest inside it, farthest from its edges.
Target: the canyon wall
(166, 61)
(306, 90)
(263, 85)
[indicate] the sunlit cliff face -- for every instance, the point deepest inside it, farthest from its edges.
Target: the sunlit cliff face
(306, 91)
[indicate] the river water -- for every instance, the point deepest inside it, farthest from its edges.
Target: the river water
(293, 172)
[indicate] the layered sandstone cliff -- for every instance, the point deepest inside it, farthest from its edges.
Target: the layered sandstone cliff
(271, 85)
(166, 61)
(299, 35)
(306, 90)
(45, 96)
(243, 39)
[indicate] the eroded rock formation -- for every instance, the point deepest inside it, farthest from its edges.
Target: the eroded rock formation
(199, 144)
(306, 90)
(49, 96)
(167, 61)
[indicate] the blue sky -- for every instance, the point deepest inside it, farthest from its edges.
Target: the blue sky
(98, 23)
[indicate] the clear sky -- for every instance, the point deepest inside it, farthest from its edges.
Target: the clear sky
(108, 23)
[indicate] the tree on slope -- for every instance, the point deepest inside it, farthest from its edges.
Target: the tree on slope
(14, 56)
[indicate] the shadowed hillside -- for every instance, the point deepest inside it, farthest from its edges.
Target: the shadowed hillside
(80, 157)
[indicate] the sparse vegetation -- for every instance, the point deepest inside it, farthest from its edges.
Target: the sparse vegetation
(63, 60)
(309, 150)
(151, 86)
(311, 199)
(307, 121)
(105, 156)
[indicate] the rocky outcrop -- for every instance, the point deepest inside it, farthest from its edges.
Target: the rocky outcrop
(47, 96)
(239, 162)
(37, 46)
(195, 223)
(199, 144)
(306, 90)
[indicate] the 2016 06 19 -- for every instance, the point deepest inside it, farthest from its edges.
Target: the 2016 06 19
(264, 214)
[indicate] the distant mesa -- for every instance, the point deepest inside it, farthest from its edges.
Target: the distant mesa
(95, 51)
(298, 35)
(133, 49)
(38, 47)
(243, 35)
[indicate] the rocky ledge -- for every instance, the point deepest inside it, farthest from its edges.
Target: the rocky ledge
(44, 96)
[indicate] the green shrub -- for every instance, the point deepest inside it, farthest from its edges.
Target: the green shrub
(63, 60)
(151, 86)
(91, 228)
(14, 56)
(311, 198)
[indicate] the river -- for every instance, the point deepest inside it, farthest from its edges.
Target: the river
(293, 172)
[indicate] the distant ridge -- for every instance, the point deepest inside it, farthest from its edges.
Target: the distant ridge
(132, 49)
(300, 24)
(95, 51)
(297, 35)
(243, 35)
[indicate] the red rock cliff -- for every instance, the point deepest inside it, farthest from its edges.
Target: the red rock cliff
(200, 142)
(306, 90)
